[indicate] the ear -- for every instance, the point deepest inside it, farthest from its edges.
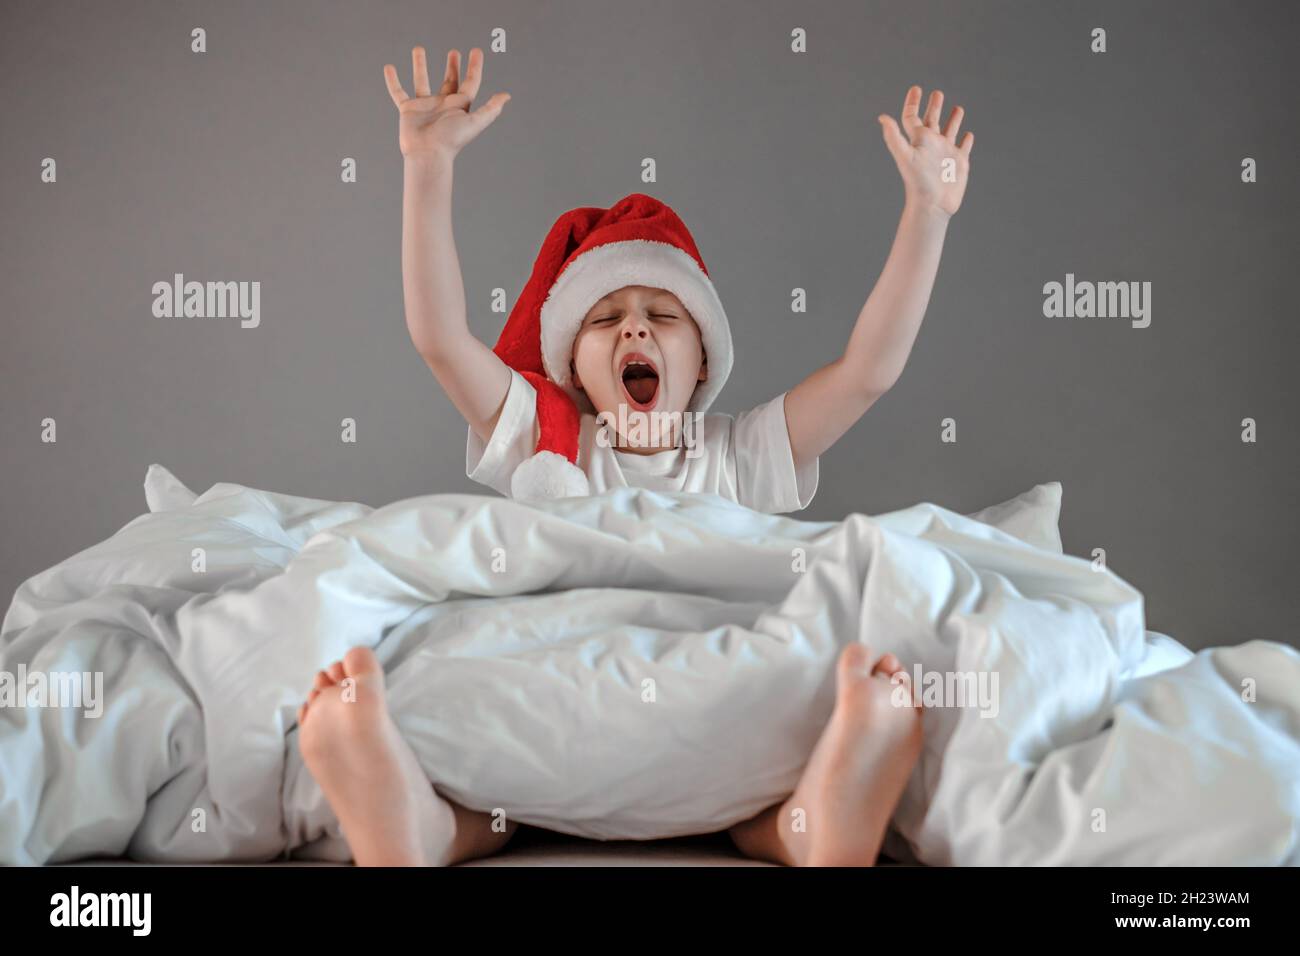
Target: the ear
(704, 370)
(573, 371)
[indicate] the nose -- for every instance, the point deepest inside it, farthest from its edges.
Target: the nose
(634, 327)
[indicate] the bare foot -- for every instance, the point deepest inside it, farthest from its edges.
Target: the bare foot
(387, 808)
(858, 769)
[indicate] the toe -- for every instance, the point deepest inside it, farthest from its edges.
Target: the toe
(855, 661)
(852, 672)
(336, 672)
(322, 680)
(887, 665)
(361, 662)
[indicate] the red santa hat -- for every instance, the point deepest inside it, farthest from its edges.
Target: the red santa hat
(589, 253)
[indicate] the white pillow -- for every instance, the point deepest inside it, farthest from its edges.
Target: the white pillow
(163, 491)
(1033, 517)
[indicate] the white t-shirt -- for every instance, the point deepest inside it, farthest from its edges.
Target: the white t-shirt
(746, 459)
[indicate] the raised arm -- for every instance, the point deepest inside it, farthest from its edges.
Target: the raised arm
(935, 169)
(432, 129)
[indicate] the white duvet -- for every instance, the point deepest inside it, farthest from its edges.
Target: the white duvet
(631, 665)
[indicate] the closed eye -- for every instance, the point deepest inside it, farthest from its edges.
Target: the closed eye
(614, 318)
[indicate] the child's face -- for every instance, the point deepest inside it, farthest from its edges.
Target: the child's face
(652, 323)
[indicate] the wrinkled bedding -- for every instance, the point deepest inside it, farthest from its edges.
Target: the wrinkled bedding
(633, 665)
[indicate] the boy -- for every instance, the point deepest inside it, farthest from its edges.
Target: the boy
(616, 347)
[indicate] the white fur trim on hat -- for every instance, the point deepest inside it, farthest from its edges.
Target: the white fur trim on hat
(548, 475)
(602, 270)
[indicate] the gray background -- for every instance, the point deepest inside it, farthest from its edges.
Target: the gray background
(225, 166)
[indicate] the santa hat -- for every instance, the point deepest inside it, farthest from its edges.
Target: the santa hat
(589, 253)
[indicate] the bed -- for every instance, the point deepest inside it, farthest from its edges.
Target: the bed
(629, 666)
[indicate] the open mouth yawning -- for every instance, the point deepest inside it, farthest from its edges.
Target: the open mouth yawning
(640, 380)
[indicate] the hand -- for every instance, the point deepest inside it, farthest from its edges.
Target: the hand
(923, 154)
(432, 124)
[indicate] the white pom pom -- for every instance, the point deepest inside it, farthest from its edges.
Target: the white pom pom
(548, 475)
